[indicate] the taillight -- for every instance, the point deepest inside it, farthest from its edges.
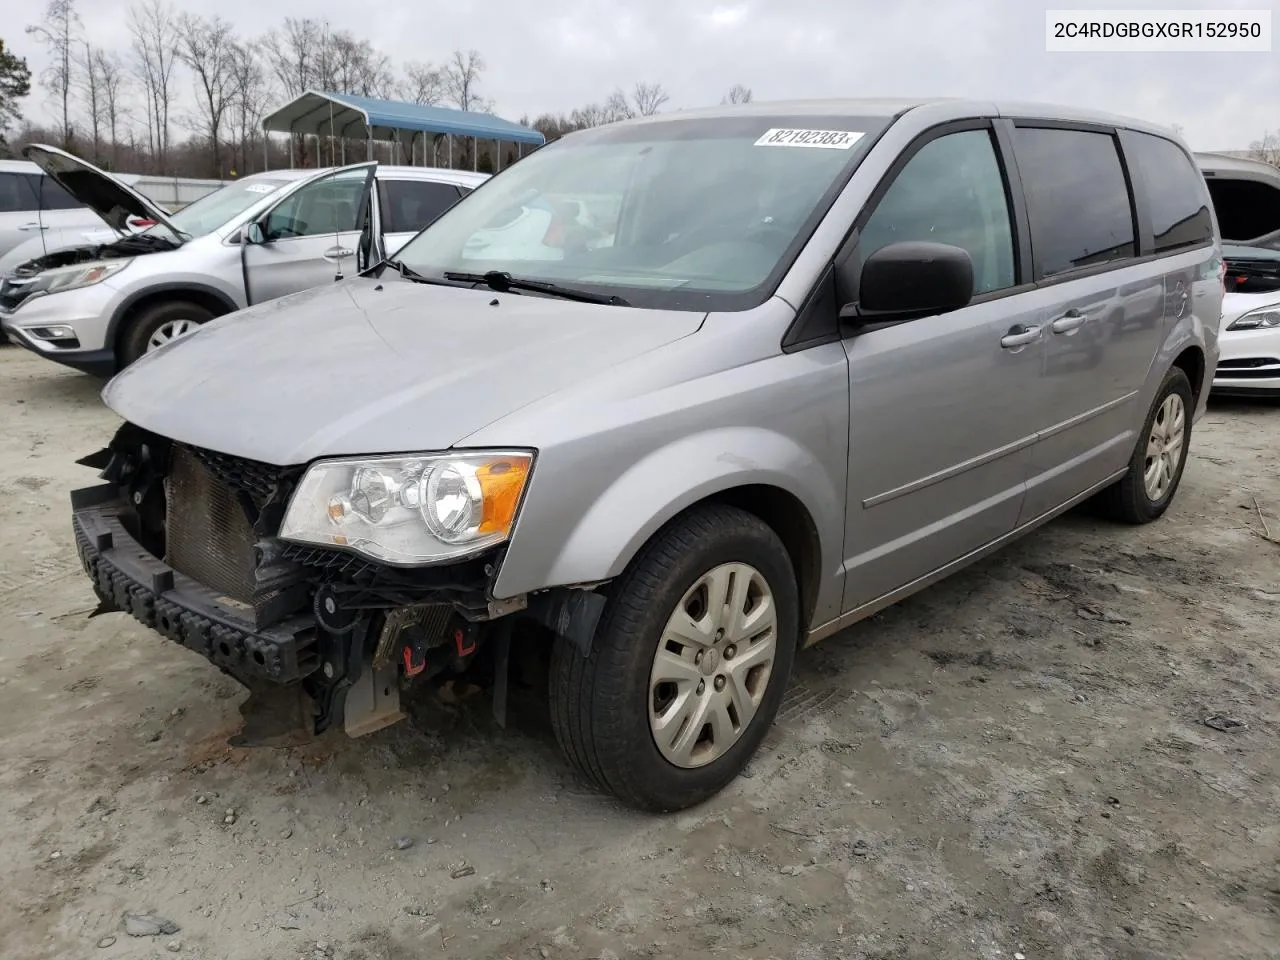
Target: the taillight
(141, 222)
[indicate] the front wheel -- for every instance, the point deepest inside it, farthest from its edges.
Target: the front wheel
(688, 665)
(157, 325)
(1159, 457)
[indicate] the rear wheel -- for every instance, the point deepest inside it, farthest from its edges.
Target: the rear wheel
(1159, 457)
(688, 665)
(157, 325)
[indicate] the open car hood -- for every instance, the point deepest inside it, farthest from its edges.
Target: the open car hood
(1251, 269)
(102, 193)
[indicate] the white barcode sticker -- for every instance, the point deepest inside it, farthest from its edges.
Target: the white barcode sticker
(822, 139)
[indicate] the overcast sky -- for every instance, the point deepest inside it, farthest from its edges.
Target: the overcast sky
(552, 55)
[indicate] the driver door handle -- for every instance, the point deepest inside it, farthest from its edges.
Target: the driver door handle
(33, 226)
(1071, 320)
(337, 253)
(1019, 336)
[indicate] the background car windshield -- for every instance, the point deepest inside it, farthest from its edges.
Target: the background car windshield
(213, 210)
(678, 213)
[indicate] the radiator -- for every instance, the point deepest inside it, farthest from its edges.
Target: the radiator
(208, 537)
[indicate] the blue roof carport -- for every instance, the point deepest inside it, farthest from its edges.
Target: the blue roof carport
(343, 115)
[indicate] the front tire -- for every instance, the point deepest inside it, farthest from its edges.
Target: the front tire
(156, 325)
(1159, 457)
(688, 665)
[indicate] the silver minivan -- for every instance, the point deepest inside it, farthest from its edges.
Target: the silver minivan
(744, 377)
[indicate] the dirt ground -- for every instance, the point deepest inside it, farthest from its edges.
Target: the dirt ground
(1013, 764)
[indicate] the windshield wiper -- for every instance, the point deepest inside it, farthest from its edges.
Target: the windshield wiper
(411, 274)
(502, 281)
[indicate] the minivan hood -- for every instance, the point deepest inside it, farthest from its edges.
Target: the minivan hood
(371, 366)
(102, 193)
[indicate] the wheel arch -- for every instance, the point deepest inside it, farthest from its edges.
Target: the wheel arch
(784, 485)
(1191, 362)
(214, 300)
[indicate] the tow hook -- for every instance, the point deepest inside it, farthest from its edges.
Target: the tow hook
(415, 659)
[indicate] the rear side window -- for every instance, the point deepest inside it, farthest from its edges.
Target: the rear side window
(409, 205)
(1077, 198)
(1176, 193)
(52, 195)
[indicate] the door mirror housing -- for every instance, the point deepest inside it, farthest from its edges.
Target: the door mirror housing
(912, 278)
(253, 233)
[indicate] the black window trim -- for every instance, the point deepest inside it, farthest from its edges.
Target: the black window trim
(1127, 142)
(1138, 224)
(1144, 237)
(808, 330)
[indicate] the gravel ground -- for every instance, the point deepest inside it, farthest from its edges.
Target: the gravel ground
(1022, 762)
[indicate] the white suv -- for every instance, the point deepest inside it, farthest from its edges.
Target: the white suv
(98, 307)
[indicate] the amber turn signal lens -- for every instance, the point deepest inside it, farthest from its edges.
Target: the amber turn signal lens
(501, 484)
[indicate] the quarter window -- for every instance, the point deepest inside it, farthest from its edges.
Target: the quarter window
(1077, 198)
(951, 191)
(1176, 193)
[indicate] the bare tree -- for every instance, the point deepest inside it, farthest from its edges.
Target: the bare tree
(208, 48)
(617, 107)
(90, 82)
(645, 100)
(738, 94)
(249, 103)
(424, 83)
(462, 81)
(348, 65)
(292, 54)
(59, 32)
(1267, 149)
(110, 83)
(649, 98)
(155, 51)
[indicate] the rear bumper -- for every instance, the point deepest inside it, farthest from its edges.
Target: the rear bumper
(129, 578)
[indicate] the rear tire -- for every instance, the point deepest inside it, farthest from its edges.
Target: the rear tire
(1159, 457)
(152, 323)
(661, 724)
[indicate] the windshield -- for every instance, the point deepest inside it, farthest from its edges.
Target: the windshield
(689, 214)
(213, 210)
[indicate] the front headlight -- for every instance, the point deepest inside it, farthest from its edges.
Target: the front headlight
(1265, 318)
(61, 279)
(410, 510)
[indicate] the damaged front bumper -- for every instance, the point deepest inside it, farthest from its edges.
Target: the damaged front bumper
(127, 577)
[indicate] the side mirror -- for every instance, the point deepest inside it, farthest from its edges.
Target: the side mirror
(253, 233)
(912, 278)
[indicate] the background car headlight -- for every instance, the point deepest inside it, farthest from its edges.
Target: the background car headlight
(61, 279)
(1257, 319)
(410, 510)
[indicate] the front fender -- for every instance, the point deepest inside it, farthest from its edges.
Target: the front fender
(610, 530)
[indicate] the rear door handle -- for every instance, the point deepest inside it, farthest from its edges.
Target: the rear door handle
(337, 253)
(1071, 320)
(33, 226)
(1019, 336)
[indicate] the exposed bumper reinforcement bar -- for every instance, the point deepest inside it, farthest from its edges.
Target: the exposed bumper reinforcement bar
(126, 576)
